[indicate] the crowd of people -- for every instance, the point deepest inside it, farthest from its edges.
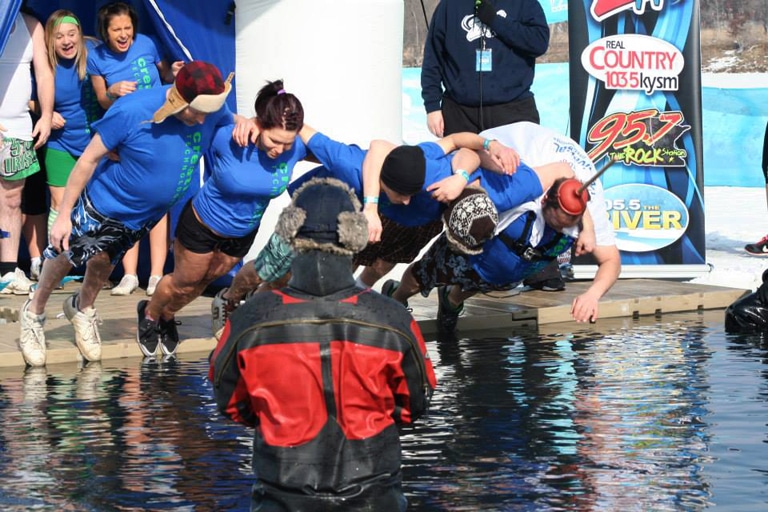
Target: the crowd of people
(497, 196)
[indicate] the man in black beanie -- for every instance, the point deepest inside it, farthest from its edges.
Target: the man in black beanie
(323, 370)
(404, 170)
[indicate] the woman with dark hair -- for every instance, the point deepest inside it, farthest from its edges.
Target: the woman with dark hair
(128, 61)
(114, 66)
(218, 226)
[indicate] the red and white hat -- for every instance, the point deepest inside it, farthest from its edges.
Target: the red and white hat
(198, 85)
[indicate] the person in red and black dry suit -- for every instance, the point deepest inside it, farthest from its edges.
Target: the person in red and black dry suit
(324, 370)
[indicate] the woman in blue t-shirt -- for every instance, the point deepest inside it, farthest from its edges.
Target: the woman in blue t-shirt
(126, 62)
(218, 226)
(75, 106)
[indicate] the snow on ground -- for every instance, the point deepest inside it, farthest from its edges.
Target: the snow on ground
(734, 217)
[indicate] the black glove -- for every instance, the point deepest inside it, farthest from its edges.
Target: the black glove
(486, 11)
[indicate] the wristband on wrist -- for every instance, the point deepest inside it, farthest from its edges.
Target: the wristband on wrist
(487, 143)
(110, 96)
(371, 199)
(464, 174)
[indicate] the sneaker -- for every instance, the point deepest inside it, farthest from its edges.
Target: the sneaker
(552, 284)
(759, 248)
(447, 315)
(152, 285)
(221, 308)
(127, 285)
(35, 267)
(389, 287)
(15, 283)
(32, 337)
(169, 336)
(86, 324)
(147, 331)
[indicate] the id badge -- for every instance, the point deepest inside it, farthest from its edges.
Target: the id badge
(483, 59)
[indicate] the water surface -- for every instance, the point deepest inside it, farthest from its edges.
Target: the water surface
(648, 414)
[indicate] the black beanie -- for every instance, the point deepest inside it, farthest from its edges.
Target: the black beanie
(404, 170)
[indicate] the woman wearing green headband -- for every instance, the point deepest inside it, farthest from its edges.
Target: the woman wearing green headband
(74, 107)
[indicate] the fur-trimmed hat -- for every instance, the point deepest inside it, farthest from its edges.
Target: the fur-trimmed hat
(470, 221)
(324, 215)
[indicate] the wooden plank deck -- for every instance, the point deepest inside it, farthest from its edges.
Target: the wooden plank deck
(627, 299)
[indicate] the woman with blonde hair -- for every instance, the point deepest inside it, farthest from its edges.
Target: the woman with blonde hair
(75, 106)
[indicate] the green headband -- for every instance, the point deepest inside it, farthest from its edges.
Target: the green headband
(67, 19)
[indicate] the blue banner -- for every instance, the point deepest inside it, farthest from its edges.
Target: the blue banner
(636, 98)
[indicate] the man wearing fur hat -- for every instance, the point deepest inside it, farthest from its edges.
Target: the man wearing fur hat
(324, 370)
(154, 139)
(529, 234)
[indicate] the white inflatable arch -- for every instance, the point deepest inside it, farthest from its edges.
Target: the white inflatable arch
(341, 58)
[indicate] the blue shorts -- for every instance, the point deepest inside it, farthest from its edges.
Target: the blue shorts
(93, 233)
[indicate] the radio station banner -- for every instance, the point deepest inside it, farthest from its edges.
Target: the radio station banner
(635, 81)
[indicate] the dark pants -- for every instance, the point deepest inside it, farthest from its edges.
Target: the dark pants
(460, 118)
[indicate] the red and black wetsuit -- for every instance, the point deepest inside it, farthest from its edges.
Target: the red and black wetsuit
(324, 377)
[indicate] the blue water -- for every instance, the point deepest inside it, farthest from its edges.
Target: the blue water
(733, 122)
(647, 414)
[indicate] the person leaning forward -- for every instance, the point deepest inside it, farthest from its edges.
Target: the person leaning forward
(158, 136)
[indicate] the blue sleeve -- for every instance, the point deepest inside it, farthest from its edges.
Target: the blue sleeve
(154, 48)
(432, 150)
(508, 192)
(343, 161)
(92, 63)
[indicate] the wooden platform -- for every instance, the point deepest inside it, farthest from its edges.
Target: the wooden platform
(628, 298)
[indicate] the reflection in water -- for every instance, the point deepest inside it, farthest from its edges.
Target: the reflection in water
(145, 437)
(640, 415)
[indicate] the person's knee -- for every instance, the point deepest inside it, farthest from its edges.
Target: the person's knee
(10, 199)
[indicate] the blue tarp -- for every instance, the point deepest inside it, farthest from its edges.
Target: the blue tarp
(8, 11)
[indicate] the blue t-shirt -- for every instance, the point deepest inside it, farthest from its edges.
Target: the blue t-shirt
(77, 104)
(422, 208)
(138, 64)
(508, 192)
(500, 265)
(243, 182)
(341, 161)
(345, 162)
(157, 161)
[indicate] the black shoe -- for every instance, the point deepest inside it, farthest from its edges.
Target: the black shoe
(147, 332)
(447, 315)
(553, 284)
(169, 336)
(389, 287)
